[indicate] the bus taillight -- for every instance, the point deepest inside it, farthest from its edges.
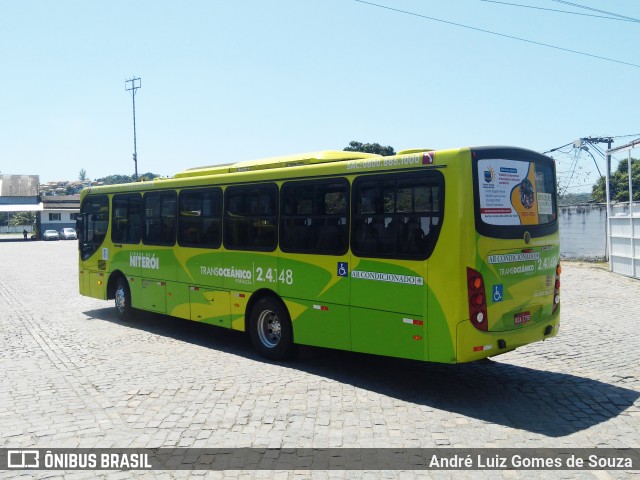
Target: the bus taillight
(477, 300)
(556, 290)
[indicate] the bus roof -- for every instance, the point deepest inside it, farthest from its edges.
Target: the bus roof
(310, 158)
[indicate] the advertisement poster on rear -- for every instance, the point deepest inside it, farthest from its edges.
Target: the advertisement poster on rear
(507, 192)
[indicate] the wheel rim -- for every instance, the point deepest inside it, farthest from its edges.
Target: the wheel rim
(121, 299)
(269, 329)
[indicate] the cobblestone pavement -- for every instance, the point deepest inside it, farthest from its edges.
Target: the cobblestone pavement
(75, 376)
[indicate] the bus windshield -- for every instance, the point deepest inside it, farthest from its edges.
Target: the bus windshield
(92, 224)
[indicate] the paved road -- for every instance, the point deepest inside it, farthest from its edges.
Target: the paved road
(75, 376)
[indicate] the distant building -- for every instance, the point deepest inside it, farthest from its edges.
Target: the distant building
(59, 212)
(18, 193)
(63, 187)
(56, 204)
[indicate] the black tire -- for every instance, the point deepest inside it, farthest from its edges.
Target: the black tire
(122, 296)
(270, 329)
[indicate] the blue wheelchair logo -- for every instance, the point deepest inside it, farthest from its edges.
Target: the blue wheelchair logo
(497, 293)
(343, 269)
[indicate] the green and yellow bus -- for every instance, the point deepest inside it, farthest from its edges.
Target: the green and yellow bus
(443, 256)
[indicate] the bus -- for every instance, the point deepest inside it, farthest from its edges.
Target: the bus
(444, 256)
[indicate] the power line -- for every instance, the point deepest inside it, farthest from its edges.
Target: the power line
(598, 150)
(499, 34)
(573, 170)
(557, 148)
(567, 170)
(568, 177)
(586, 149)
(596, 10)
(603, 154)
(562, 11)
(624, 136)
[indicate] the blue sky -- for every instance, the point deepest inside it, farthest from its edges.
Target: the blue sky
(225, 81)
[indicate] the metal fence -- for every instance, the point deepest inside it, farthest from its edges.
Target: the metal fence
(624, 228)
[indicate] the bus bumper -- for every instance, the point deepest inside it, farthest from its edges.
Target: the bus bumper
(473, 344)
(93, 284)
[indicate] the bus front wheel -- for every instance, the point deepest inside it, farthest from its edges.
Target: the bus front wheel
(122, 299)
(270, 329)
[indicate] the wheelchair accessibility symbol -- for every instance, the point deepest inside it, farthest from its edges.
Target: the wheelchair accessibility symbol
(343, 269)
(497, 293)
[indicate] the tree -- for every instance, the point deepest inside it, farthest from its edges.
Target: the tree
(619, 184)
(573, 198)
(370, 148)
(23, 218)
(116, 179)
(145, 177)
(82, 176)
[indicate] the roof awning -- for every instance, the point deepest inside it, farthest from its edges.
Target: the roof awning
(32, 207)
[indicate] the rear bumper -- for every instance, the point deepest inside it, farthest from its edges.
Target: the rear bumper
(473, 344)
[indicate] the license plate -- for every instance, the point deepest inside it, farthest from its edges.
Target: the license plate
(522, 317)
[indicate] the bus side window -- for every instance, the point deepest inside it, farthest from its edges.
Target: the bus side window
(314, 217)
(125, 224)
(200, 217)
(396, 215)
(159, 218)
(250, 217)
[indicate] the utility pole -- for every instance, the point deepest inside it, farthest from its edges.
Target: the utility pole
(136, 83)
(608, 140)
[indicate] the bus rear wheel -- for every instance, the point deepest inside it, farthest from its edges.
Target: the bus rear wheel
(122, 297)
(270, 329)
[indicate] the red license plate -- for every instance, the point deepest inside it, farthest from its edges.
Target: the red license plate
(522, 317)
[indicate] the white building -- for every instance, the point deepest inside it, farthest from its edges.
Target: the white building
(59, 212)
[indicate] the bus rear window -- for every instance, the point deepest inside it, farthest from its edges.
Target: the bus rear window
(516, 192)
